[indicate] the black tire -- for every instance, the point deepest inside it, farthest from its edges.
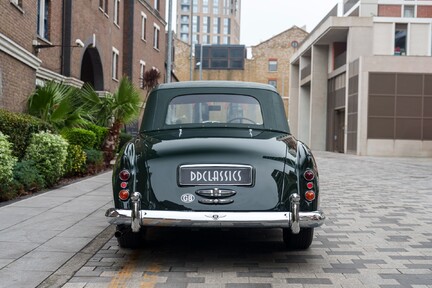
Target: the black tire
(300, 241)
(128, 239)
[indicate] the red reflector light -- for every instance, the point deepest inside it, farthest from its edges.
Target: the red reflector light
(124, 175)
(310, 195)
(124, 194)
(124, 185)
(309, 175)
(309, 185)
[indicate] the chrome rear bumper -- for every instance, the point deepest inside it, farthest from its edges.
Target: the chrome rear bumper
(215, 219)
(137, 217)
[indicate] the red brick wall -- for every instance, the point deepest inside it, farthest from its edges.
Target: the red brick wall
(19, 25)
(424, 11)
(143, 50)
(389, 10)
(17, 82)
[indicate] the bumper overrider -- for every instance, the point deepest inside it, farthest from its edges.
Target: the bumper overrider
(295, 219)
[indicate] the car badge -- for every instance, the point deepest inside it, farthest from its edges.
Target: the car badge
(187, 198)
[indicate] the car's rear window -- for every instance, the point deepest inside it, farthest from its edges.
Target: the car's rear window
(214, 108)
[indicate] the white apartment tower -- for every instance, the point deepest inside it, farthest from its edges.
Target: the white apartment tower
(209, 21)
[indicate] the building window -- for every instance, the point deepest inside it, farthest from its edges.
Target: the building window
(157, 4)
(273, 82)
(156, 32)
(17, 3)
(272, 65)
(143, 26)
(142, 70)
(400, 47)
(115, 63)
(216, 25)
(103, 6)
(43, 18)
(117, 12)
(409, 11)
(221, 57)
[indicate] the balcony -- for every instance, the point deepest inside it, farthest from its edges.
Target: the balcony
(305, 72)
(340, 60)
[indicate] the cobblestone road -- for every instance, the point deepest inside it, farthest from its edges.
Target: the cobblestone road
(378, 234)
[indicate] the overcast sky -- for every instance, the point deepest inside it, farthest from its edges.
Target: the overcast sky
(263, 19)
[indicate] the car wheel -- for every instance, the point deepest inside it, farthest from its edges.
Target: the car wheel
(300, 241)
(128, 239)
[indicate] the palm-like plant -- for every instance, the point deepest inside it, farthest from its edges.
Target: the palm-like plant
(98, 108)
(56, 104)
(124, 105)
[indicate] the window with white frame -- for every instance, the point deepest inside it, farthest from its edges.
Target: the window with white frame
(117, 12)
(17, 2)
(400, 43)
(43, 11)
(272, 82)
(156, 32)
(103, 6)
(142, 70)
(409, 11)
(157, 4)
(272, 65)
(115, 63)
(143, 26)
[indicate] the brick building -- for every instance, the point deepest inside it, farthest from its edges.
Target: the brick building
(361, 81)
(269, 62)
(95, 41)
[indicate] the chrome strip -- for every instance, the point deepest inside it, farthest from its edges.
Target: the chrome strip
(216, 219)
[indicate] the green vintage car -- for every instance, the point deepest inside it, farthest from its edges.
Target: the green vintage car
(215, 154)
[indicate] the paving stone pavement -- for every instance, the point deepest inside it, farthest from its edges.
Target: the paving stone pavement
(378, 234)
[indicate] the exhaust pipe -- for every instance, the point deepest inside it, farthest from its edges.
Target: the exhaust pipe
(118, 234)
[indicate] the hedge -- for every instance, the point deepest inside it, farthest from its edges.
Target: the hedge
(6, 159)
(19, 128)
(100, 132)
(78, 136)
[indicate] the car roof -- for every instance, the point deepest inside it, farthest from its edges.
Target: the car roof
(160, 97)
(215, 84)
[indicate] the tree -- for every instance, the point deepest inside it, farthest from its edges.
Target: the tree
(150, 81)
(124, 109)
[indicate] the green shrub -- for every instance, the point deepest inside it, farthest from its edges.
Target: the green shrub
(75, 160)
(19, 128)
(11, 190)
(26, 173)
(95, 161)
(78, 136)
(49, 152)
(6, 159)
(124, 138)
(100, 132)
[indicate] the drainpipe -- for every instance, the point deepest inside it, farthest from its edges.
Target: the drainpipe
(66, 38)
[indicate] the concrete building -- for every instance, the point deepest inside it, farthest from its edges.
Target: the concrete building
(209, 21)
(95, 41)
(361, 83)
(269, 61)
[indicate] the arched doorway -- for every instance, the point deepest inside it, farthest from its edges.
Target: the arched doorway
(91, 69)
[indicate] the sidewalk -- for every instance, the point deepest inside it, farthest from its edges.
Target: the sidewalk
(38, 235)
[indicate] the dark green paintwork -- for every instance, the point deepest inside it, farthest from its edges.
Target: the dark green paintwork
(278, 159)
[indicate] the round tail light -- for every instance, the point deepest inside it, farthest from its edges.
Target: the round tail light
(124, 194)
(310, 185)
(124, 175)
(309, 175)
(310, 195)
